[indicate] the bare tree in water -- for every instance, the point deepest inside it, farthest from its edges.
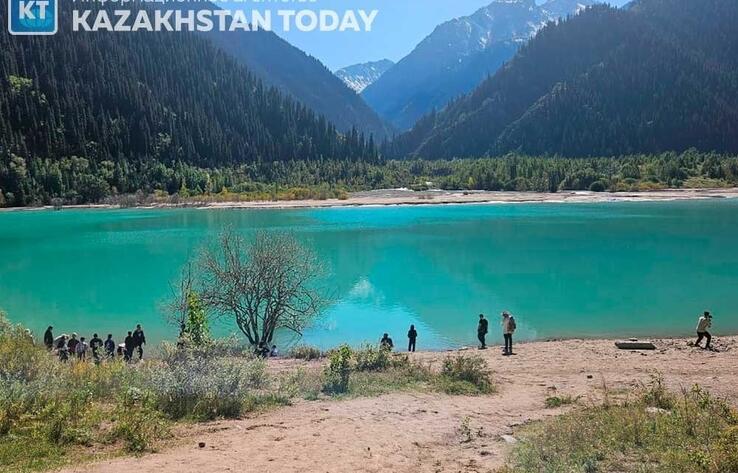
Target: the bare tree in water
(264, 284)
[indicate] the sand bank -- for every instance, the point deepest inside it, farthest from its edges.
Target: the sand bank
(434, 197)
(418, 432)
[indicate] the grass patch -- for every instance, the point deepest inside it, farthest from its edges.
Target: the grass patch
(54, 413)
(657, 432)
(371, 371)
(305, 352)
(553, 402)
(465, 375)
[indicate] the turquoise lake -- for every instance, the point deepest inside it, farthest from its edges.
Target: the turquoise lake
(564, 270)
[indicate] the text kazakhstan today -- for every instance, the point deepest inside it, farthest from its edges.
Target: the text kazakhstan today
(209, 19)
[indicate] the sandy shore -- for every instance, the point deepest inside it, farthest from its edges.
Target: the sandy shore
(439, 197)
(418, 432)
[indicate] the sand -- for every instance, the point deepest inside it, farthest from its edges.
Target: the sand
(437, 197)
(417, 432)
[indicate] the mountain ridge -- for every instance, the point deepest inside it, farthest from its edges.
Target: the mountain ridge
(359, 76)
(457, 56)
(655, 77)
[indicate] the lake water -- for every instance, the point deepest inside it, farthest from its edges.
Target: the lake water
(564, 270)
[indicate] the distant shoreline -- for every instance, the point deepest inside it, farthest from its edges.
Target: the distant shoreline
(405, 197)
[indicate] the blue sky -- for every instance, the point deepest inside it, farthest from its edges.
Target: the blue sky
(400, 25)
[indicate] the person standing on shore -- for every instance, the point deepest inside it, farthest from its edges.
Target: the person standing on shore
(703, 324)
(72, 345)
(129, 345)
(81, 349)
(508, 328)
(95, 345)
(412, 336)
(49, 338)
(482, 330)
(139, 340)
(61, 348)
(110, 347)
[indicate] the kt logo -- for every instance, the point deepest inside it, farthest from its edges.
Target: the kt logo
(33, 17)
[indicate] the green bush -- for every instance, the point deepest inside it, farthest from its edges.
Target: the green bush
(138, 423)
(305, 352)
(553, 402)
(338, 372)
(468, 375)
(197, 382)
(372, 358)
(598, 186)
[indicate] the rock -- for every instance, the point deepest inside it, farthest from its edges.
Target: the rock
(657, 410)
(509, 439)
(201, 444)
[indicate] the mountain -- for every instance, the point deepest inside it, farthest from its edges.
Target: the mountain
(282, 65)
(80, 111)
(658, 76)
(359, 76)
(458, 55)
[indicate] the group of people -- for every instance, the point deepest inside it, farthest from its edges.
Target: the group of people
(264, 351)
(79, 347)
(507, 323)
(508, 326)
(76, 347)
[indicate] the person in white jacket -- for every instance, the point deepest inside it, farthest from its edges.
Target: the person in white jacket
(508, 328)
(703, 324)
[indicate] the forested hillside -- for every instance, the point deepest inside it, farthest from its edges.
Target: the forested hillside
(284, 66)
(80, 111)
(658, 76)
(458, 55)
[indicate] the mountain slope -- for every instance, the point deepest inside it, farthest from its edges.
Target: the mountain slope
(360, 76)
(111, 100)
(458, 55)
(282, 65)
(659, 76)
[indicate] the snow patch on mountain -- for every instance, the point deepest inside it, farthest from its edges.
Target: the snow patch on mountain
(360, 76)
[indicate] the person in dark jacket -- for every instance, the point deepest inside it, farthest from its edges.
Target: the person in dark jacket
(72, 345)
(95, 345)
(129, 344)
(386, 342)
(49, 338)
(139, 340)
(482, 330)
(412, 335)
(110, 346)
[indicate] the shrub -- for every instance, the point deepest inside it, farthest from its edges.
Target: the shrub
(194, 382)
(372, 358)
(305, 352)
(138, 423)
(558, 401)
(598, 186)
(698, 434)
(465, 375)
(338, 371)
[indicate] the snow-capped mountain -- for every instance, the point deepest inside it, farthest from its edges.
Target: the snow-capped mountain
(360, 76)
(458, 55)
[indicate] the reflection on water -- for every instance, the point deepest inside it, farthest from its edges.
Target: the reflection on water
(563, 269)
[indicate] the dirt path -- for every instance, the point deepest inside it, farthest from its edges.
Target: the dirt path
(421, 432)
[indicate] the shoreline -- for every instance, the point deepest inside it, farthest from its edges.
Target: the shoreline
(355, 429)
(405, 197)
